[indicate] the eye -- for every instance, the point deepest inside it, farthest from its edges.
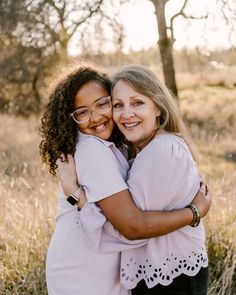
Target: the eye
(81, 112)
(138, 103)
(102, 103)
(117, 106)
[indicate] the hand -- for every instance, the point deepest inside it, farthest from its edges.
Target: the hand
(202, 199)
(67, 174)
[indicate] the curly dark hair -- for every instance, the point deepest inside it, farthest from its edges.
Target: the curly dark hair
(58, 130)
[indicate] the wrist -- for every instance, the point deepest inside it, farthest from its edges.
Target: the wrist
(74, 198)
(71, 189)
(196, 215)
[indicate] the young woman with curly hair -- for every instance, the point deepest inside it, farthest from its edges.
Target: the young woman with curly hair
(78, 121)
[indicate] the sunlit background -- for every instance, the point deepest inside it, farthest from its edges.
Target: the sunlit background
(40, 38)
(140, 26)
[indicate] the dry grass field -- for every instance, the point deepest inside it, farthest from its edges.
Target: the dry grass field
(28, 192)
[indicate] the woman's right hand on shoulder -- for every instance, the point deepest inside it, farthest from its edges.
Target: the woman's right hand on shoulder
(203, 199)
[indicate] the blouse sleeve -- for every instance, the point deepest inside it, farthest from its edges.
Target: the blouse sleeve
(101, 234)
(98, 170)
(164, 176)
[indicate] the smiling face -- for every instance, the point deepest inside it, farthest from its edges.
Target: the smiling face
(135, 114)
(98, 125)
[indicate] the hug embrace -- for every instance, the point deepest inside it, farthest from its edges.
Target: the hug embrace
(131, 197)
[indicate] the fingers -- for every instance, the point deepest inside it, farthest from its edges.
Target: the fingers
(70, 158)
(58, 162)
(203, 189)
(207, 189)
(64, 158)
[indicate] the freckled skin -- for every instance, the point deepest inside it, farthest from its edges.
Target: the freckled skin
(135, 114)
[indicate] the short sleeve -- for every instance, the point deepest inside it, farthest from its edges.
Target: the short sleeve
(98, 170)
(164, 176)
(101, 234)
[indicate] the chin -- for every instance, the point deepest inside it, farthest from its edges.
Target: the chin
(131, 139)
(104, 135)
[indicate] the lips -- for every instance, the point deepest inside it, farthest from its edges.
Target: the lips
(130, 125)
(100, 127)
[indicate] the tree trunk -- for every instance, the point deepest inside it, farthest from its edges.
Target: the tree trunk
(64, 39)
(165, 46)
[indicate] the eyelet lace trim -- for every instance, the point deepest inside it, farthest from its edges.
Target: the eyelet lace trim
(162, 274)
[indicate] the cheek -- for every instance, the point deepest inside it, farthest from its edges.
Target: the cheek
(153, 114)
(82, 127)
(110, 115)
(116, 116)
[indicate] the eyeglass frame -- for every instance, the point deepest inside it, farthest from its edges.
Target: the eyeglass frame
(92, 110)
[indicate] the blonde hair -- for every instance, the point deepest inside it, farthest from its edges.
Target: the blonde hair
(147, 83)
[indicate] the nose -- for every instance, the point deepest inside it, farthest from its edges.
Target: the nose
(127, 112)
(95, 117)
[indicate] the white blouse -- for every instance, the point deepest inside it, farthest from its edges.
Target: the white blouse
(163, 176)
(73, 266)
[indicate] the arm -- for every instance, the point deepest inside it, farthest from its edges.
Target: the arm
(135, 224)
(127, 218)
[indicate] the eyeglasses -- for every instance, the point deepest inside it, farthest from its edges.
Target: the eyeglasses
(102, 106)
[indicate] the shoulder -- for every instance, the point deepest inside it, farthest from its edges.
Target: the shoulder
(166, 146)
(93, 152)
(89, 144)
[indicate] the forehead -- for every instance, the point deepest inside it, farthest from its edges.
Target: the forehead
(123, 89)
(89, 93)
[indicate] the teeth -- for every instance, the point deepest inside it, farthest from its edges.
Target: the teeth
(99, 127)
(129, 125)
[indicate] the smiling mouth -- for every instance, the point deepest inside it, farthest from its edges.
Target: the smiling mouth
(130, 125)
(100, 127)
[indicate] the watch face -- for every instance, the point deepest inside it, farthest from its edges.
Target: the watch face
(72, 200)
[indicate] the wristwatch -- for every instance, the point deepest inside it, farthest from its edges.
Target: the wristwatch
(73, 199)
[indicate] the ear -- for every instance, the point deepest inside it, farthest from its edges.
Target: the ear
(158, 112)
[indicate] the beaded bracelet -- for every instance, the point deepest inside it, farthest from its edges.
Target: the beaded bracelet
(196, 215)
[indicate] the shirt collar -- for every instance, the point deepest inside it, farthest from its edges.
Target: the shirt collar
(105, 142)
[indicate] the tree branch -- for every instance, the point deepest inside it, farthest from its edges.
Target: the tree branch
(182, 13)
(92, 10)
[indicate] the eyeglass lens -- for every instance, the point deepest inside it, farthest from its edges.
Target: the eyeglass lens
(102, 106)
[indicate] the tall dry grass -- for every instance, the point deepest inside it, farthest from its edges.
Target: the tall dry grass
(28, 202)
(28, 193)
(209, 106)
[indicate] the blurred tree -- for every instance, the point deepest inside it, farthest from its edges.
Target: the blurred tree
(107, 34)
(227, 9)
(35, 36)
(165, 45)
(55, 22)
(166, 40)
(18, 63)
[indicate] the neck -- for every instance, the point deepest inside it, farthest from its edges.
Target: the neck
(138, 147)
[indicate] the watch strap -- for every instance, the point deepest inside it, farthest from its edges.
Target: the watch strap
(74, 198)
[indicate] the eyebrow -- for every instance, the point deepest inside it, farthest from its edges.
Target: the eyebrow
(81, 107)
(131, 97)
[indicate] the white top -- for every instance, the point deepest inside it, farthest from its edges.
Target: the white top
(73, 266)
(163, 177)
